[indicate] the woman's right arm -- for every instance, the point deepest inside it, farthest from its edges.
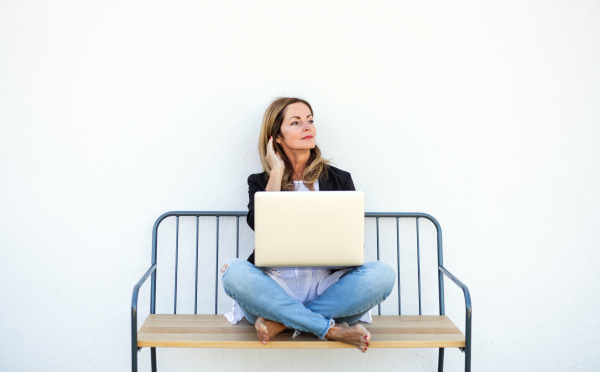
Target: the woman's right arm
(274, 183)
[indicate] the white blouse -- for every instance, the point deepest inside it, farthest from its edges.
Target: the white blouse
(303, 285)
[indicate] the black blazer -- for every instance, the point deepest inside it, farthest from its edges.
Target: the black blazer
(335, 180)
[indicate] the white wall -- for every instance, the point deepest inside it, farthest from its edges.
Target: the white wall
(485, 115)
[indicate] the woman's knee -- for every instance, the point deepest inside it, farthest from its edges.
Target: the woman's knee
(235, 262)
(384, 276)
(233, 273)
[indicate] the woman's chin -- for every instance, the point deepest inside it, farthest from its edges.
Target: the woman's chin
(306, 146)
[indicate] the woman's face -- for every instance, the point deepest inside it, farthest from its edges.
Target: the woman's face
(298, 129)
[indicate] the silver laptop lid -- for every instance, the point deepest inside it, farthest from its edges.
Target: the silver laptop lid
(309, 229)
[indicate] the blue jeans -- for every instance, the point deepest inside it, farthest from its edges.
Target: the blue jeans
(347, 300)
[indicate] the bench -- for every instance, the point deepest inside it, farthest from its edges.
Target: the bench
(214, 331)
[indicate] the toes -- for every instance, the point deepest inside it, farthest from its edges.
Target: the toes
(262, 331)
(367, 338)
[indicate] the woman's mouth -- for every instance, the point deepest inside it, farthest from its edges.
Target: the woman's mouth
(307, 137)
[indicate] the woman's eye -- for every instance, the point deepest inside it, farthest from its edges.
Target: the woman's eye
(311, 121)
(295, 123)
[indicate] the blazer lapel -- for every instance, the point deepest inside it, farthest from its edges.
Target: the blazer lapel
(325, 185)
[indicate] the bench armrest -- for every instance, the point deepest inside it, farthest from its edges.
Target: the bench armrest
(461, 286)
(136, 289)
(468, 308)
(134, 301)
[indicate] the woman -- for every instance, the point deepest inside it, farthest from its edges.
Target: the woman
(323, 302)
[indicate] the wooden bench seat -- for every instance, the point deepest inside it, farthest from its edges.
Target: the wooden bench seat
(387, 331)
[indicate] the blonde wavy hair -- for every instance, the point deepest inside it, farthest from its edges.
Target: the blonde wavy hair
(271, 126)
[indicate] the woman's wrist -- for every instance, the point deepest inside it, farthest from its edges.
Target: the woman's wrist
(276, 172)
(275, 177)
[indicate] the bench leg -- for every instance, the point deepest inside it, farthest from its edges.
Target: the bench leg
(468, 358)
(134, 360)
(466, 350)
(153, 357)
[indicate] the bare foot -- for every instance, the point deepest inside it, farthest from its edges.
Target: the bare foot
(266, 329)
(357, 335)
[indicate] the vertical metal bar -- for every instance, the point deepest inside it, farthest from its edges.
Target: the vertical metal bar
(217, 270)
(153, 279)
(377, 219)
(176, 262)
(237, 237)
(153, 358)
(441, 360)
(468, 341)
(419, 265)
(196, 290)
(134, 348)
(398, 255)
(440, 274)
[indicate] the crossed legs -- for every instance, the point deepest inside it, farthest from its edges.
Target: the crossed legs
(271, 309)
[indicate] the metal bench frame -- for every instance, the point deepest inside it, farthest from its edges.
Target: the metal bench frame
(152, 272)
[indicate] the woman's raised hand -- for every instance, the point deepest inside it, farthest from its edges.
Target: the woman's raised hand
(273, 157)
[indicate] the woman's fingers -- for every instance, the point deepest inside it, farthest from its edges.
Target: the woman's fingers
(271, 154)
(270, 150)
(273, 157)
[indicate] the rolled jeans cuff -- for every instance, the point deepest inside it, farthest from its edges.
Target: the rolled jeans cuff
(330, 323)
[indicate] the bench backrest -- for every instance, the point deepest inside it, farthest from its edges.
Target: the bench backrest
(406, 218)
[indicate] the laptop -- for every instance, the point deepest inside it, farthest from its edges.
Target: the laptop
(309, 229)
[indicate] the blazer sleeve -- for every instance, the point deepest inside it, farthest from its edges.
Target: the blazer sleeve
(349, 184)
(253, 187)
